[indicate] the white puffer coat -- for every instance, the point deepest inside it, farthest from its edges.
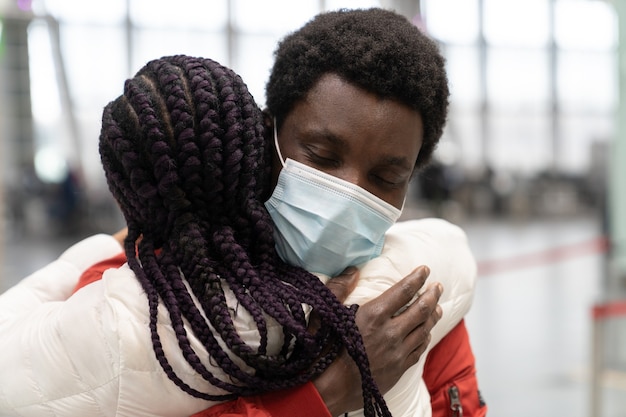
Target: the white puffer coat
(90, 353)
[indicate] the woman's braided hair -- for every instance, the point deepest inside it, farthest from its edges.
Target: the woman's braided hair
(186, 156)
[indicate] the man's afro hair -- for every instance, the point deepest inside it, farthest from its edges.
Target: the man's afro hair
(375, 49)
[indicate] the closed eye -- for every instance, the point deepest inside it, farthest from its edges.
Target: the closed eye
(322, 158)
(390, 183)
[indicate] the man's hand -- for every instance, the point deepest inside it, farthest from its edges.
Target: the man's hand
(120, 236)
(394, 342)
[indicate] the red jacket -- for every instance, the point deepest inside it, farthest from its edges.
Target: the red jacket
(449, 374)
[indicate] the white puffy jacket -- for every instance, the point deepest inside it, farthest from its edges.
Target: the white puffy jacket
(90, 353)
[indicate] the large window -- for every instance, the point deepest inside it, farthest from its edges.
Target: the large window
(101, 43)
(533, 82)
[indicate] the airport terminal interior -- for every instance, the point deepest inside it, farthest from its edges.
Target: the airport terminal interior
(532, 163)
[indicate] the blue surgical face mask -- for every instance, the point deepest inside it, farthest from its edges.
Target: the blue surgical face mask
(323, 223)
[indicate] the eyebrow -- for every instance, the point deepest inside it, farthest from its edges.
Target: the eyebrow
(397, 161)
(327, 136)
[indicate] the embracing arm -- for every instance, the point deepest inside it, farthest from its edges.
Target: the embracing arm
(37, 326)
(55, 281)
(393, 343)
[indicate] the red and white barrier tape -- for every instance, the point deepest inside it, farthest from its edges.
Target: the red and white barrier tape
(592, 246)
(609, 309)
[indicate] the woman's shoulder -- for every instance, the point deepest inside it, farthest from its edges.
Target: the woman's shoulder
(434, 227)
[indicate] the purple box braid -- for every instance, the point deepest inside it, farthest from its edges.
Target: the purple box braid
(186, 156)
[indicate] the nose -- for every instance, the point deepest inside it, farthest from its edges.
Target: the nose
(353, 175)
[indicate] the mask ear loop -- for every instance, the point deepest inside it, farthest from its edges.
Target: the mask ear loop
(280, 155)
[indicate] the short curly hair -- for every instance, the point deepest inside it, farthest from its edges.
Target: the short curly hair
(375, 49)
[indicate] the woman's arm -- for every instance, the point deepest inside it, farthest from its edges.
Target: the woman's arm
(39, 330)
(393, 343)
(55, 281)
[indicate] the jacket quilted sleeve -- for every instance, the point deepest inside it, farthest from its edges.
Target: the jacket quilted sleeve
(37, 324)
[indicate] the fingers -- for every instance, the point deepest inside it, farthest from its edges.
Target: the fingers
(416, 354)
(403, 292)
(422, 309)
(395, 340)
(426, 302)
(396, 325)
(342, 285)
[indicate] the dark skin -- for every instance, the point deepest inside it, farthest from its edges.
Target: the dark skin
(393, 343)
(354, 135)
(349, 133)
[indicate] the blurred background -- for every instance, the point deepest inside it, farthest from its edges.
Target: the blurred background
(532, 163)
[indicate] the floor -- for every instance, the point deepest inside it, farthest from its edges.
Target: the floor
(530, 324)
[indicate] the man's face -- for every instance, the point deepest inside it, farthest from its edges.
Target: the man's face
(354, 135)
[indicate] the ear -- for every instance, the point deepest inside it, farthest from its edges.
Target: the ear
(268, 120)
